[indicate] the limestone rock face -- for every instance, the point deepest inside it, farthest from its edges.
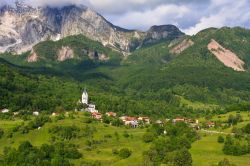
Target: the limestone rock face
(182, 46)
(33, 57)
(227, 57)
(22, 27)
(65, 53)
(158, 33)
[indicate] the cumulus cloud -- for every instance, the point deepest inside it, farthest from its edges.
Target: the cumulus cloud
(162, 14)
(223, 13)
(189, 15)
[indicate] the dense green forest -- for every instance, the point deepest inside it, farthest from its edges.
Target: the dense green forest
(151, 81)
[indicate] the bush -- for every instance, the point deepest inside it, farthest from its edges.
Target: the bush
(225, 162)
(183, 158)
(125, 153)
(247, 128)
(87, 120)
(65, 132)
(125, 134)
(115, 151)
(220, 139)
(148, 137)
(1, 133)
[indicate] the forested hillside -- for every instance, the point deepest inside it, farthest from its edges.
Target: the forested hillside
(152, 80)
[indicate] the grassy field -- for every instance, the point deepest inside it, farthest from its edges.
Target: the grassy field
(196, 105)
(207, 152)
(223, 118)
(102, 152)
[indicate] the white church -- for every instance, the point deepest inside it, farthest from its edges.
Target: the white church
(85, 100)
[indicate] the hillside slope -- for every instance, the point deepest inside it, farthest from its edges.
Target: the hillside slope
(157, 79)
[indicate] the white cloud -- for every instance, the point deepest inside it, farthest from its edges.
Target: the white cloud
(190, 15)
(223, 13)
(161, 15)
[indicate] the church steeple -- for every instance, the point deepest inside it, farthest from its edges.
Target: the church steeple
(85, 97)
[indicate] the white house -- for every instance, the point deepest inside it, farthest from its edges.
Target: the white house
(35, 113)
(5, 111)
(92, 108)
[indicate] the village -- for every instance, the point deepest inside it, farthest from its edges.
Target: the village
(135, 122)
(126, 120)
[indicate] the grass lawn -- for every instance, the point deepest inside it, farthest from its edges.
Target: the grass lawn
(207, 151)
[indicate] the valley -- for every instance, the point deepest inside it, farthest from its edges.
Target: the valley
(149, 98)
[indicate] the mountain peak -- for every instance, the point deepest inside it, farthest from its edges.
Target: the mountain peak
(30, 25)
(161, 28)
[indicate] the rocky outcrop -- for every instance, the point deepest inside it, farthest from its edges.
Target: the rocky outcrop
(23, 26)
(94, 55)
(163, 32)
(65, 53)
(227, 57)
(33, 57)
(182, 46)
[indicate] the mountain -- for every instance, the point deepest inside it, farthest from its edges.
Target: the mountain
(166, 72)
(22, 27)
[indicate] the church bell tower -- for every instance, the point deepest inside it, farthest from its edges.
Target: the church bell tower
(85, 97)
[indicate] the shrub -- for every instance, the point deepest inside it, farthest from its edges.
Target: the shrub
(247, 128)
(220, 139)
(1, 133)
(87, 120)
(183, 158)
(225, 162)
(125, 153)
(125, 134)
(115, 151)
(148, 137)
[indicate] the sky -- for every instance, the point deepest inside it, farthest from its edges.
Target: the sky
(191, 16)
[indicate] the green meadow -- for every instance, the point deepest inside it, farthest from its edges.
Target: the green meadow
(205, 152)
(104, 134)
(208, 151)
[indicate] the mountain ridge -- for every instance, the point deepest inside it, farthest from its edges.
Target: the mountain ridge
(23, 26)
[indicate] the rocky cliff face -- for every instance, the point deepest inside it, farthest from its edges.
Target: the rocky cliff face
(22, 26)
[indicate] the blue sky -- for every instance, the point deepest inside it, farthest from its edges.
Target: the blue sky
(190, 16)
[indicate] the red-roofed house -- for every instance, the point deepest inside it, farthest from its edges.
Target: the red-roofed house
(178, 119)
(96, 115)
(210, 124)
(144, 119)
(130, 121)
(111, 114)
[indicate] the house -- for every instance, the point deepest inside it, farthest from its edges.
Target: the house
(4, 111)
(193, 123)
(54, 114)
(210, 124)
(35, 113)
(134, 124)
(91, 108)
(111, 114)
(190, 121)
(130, 121)
(145, 120)
(178, 119)
(159, 122)
(15, 113)
(123, 118)
(96, 115)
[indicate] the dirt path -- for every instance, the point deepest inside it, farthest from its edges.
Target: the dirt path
(216, 132)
